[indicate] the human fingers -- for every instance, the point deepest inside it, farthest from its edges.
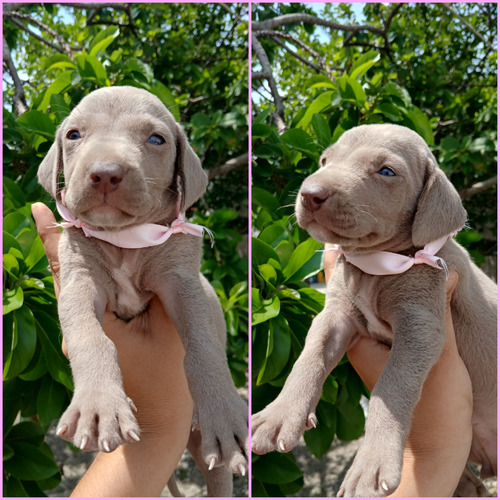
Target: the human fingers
(329, 258)
(50, 234)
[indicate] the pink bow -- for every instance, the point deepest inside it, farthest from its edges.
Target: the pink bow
(140, 236)
(384, 263)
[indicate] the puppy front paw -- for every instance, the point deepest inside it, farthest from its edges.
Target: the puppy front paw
(100, 421)
(375, 472)
(224, 431)
(280, 425)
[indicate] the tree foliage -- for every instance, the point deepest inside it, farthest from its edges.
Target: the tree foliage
(194, 58)
(317, 72)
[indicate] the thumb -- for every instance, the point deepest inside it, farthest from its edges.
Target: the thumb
(50, 235)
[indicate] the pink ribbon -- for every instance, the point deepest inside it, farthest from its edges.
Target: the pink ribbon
(384, 263)
(140, 236)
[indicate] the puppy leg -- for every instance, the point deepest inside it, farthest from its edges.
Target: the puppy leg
(100, 413)
(281, 424)
(222, 414)
(219, 480)
(418, 340)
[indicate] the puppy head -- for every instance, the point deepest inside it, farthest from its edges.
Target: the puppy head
(378, 188)
(124, 160)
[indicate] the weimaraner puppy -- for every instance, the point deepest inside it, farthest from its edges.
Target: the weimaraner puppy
(380, 195)
(123, 174)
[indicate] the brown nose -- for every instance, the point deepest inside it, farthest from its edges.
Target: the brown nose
(106, 178)
(313, 197)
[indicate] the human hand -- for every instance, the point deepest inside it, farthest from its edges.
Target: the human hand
(151, 358)
(438, 446)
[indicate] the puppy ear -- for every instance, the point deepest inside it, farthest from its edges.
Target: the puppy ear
(193, 178)
(52, 167)
(439, 210)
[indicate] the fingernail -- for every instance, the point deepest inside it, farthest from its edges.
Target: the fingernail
(242, 470)
(211, 465)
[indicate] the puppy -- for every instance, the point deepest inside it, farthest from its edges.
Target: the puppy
(380, 195)
(122, 173)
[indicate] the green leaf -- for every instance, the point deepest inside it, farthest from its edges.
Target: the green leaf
(273, 235)
(269, 309)
(300, 257)
(322, 130)
(36, 254)
(56, 362)
(30, 463)
(278, 350)
(23, 343)
(350, 417)
(15, 222)
(320, 439)
(12, 299)
(419, 122)
(324, 100)
(262, 253)
(276, 468)
(300, 141)
(59, 107)
(60, 85)
(390, 111)
(29, 432)
(261, 130)
(90, 67)
(351, 90)
(363, 64)
(50, 400)
(103, 40)
(167, 98)
(262, 198)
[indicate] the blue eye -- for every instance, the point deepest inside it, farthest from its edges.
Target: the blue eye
(73, 135)
(387, 172)
(156, 139)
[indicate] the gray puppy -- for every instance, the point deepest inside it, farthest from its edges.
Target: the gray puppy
(379, 191)
(125, 163)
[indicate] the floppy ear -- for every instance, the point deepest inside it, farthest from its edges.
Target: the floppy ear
(193, 178)
(52, 167)
(439, 210)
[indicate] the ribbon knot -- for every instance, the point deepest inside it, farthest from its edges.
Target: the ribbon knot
(385, 263)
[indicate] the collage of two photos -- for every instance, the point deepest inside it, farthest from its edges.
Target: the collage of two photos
(250, 249)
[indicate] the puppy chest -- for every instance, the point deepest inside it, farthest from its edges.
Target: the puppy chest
(376, 326)
(129, 298)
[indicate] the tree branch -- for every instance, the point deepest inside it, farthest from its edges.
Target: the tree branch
(469, 26)
(225, 168)
(300, 43)
(34, 35)
(19, 15)
(279, 115)
(19, 97)
(479, 187)
(278, 21)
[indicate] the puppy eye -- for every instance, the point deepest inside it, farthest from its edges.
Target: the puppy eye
(156, 139)
(322, 161)
(73, 135)
(387, 172)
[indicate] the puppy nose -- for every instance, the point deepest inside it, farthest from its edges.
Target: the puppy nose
(313, 197)
(106, 178)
